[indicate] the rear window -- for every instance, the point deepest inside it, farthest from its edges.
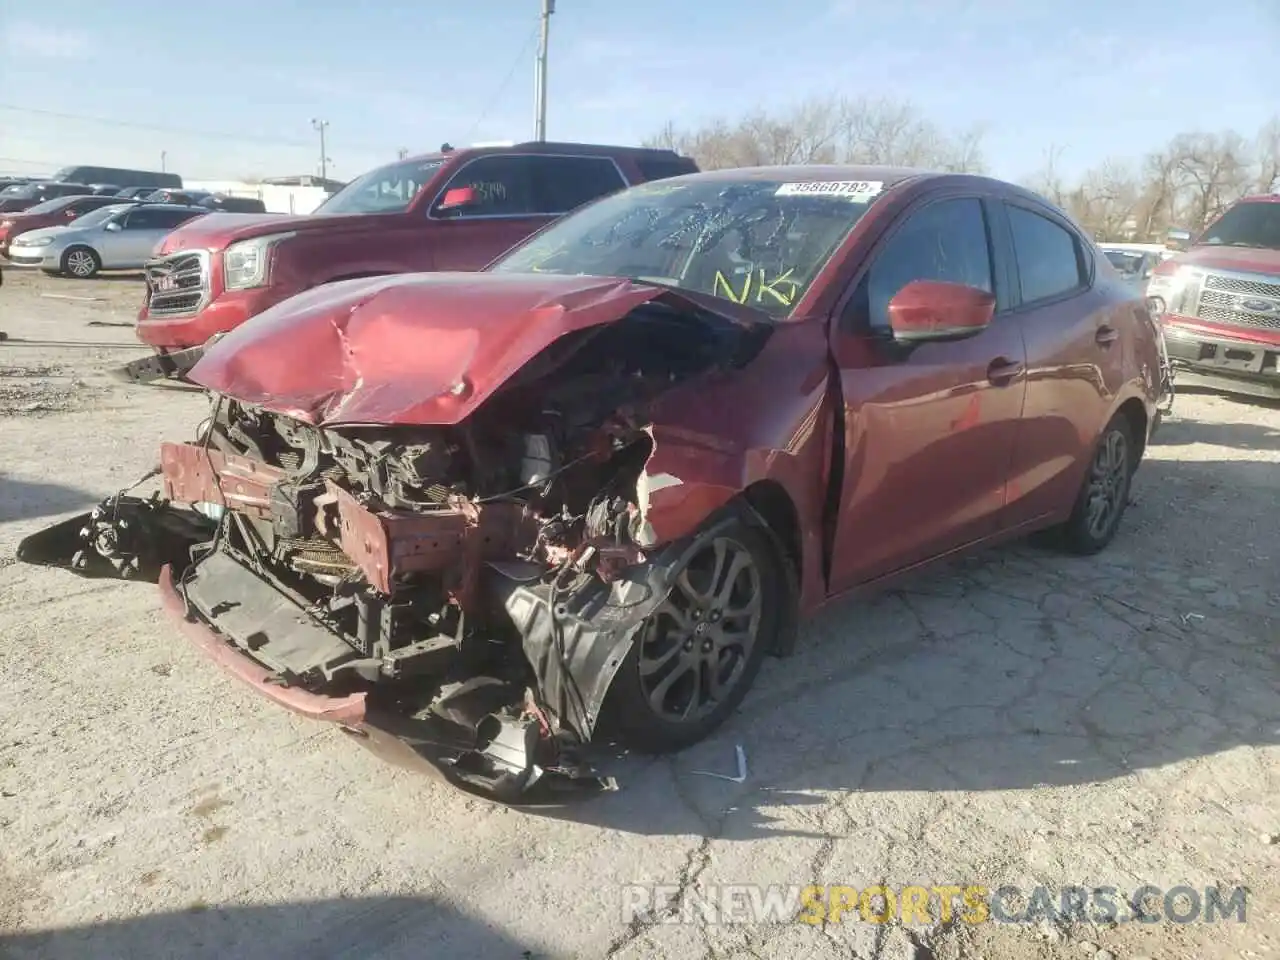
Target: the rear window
(659, 168)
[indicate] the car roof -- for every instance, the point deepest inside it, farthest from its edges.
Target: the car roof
(543, 146)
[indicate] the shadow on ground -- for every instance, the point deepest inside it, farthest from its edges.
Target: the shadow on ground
(1238, 436)
(26, 500)
(360, 928)
(1016, 669)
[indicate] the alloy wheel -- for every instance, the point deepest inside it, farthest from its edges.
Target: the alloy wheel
(696, 646)
(1108, 483)
(80, 263)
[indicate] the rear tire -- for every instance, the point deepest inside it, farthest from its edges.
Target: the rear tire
(81, 262)
(1104, 495)
(700, 652)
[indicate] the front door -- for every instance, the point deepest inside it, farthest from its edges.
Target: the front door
(928, 431)
(504, 212)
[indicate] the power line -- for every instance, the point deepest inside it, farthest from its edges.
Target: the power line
(205, 134)
(26, 163)
(515, 64)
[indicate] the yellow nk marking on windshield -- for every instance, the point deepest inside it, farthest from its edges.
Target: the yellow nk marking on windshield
(723, 287)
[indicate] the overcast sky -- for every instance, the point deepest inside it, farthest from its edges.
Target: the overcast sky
(234, 85)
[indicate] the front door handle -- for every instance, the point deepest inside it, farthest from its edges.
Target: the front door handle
(1106, 335)
(1004, 371)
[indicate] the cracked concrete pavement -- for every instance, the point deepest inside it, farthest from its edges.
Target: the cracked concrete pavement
(1014, 718)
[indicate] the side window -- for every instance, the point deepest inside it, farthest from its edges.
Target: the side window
(1048, 257)
(563, 183)
(144, 219)
(168, 219)
(946, 240)
(503, 186)
(659, 168)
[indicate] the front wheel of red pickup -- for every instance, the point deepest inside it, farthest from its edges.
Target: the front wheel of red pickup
(697, 655)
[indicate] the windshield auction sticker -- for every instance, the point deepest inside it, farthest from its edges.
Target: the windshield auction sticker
(860, 191)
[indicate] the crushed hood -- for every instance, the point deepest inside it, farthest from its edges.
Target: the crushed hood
(414, 348)
(1210, 257)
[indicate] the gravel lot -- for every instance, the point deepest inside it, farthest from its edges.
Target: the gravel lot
(1016, 718)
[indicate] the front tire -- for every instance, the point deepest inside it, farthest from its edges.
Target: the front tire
(698, 654)
(81, 262)
(1104, 495)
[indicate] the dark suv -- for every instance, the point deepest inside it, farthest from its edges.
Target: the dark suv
(19, 196)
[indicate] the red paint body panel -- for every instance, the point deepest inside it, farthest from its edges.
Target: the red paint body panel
(947, 445)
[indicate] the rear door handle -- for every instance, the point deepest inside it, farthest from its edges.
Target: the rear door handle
(1106, 335)
(1004, 371)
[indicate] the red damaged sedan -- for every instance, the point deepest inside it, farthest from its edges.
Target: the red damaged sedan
(487, 518)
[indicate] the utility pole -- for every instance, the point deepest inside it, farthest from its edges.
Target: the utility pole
(164, 155)
(320, 126)
(540, 76)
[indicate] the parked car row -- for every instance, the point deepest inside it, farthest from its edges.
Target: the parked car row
(119, 236)
(21, 193)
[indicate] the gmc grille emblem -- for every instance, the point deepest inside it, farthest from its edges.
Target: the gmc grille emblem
(166, 283)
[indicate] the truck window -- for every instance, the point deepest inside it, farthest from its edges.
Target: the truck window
(563, 183)
(659, 168)
(503, 184)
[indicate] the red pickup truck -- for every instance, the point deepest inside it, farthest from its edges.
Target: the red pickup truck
(452, 210)
(1220, 302)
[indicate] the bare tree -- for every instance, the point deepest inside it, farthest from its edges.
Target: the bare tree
(1187, 183)
(1215, 171)
(828, 130)
(1267, 149)
(1047, 181)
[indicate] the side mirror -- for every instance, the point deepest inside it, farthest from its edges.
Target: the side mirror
(456, 200)
(937, 310)
(114, 225)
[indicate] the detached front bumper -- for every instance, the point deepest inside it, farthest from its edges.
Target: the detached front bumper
(1201, 359)
(351, 713)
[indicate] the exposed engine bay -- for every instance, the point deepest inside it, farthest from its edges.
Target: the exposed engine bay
(479, 583)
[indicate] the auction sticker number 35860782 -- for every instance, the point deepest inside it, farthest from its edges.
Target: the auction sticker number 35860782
(859, 191)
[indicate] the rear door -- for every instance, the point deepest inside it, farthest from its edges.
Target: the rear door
(562, 184)
(929, 430)
(1074, 359)
(141, 230)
